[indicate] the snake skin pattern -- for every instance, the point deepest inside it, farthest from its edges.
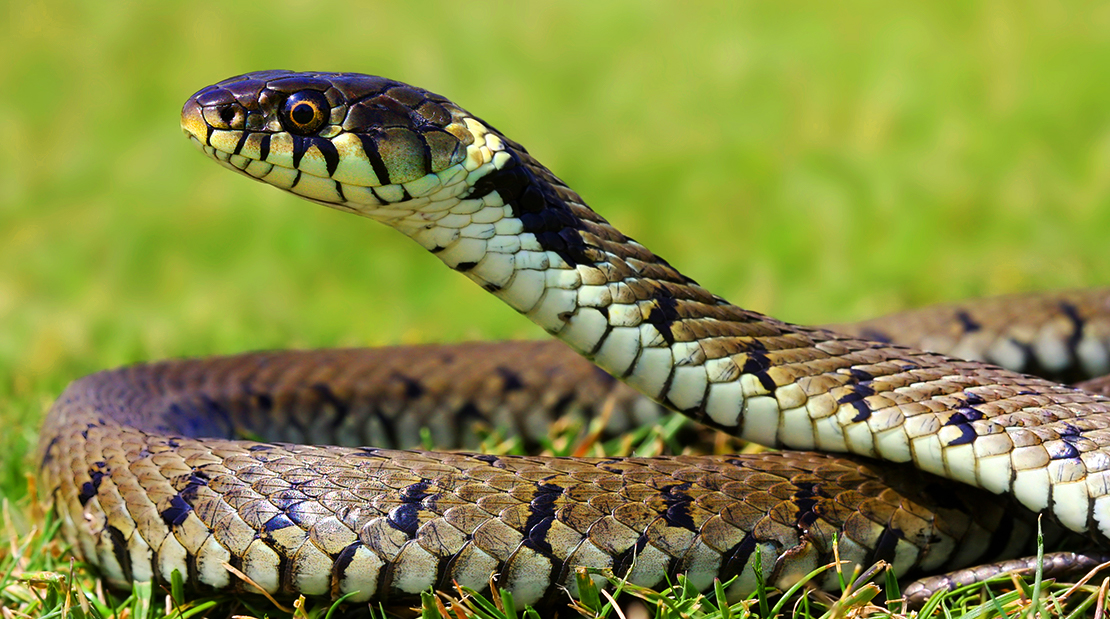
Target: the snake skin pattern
(150, 471)
(1064, 336)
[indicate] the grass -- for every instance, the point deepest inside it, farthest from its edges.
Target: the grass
(816, 161)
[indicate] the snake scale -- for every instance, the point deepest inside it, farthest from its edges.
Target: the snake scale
(150, 470)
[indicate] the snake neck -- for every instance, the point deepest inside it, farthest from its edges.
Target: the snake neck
(518, 231)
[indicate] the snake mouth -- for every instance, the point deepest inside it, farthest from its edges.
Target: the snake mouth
(243, 141)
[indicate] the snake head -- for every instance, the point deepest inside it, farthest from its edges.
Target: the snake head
(349, 141)
(414, 161)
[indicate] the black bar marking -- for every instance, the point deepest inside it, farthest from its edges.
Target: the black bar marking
(324, 392)
(964, 415)
(736, 559)
(806, 499)
(875, 335)
(416, 493)
(48, 453)
(277, 523)
(539, 520)
(510, 379)
(860, 375)
(1076, 336)
(885, 546)
(370, 147)
(663, 313)
(678, 506)
(242, 140)
(856, 399)
(413, 388)
(757, 365)
(177, 511)
(624, 561)
(119, 550)
(967, 322)
(90, 488)
(1067, 451)
(967, 435)
(388, 428)
(330, 153)
(405, 518)
(427, 153)
(301, 145)
(508, 182)
(264, 147)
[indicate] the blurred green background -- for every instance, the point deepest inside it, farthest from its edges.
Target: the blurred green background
(818, 161)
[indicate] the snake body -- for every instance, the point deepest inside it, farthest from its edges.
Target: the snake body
(149, 471)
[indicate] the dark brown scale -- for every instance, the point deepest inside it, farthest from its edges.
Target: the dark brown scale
(373, 112)
(293, 84)
(214, 95)
(407, 96)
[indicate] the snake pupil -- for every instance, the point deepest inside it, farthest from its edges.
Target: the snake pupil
(227, 114)
(302, 113)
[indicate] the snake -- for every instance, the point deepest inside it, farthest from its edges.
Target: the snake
(309, 473)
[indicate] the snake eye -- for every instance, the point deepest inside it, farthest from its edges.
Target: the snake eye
(305, 112)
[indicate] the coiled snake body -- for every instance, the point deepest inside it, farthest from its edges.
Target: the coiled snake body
(150, 474)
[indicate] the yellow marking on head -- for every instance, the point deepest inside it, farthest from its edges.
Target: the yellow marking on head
(354, 168)
(317, 188)
(313, 162)
(252, 146)
(281, 150)
(192, 122)
(225, 141)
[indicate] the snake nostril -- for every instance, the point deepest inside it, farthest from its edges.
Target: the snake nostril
(227, 113)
